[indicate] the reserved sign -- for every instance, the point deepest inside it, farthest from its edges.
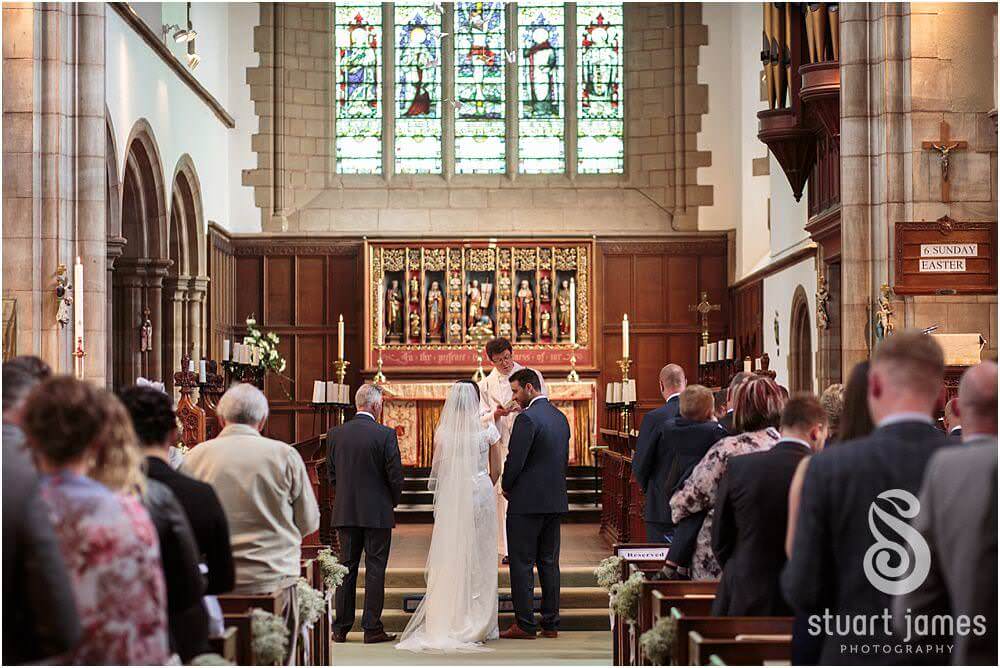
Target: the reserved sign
(644, 553)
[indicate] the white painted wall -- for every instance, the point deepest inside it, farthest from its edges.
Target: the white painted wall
(140, 85)
(788, 217)
(778, 292)
(729, 130)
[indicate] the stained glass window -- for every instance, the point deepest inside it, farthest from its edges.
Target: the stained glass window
(480, 62)
(418, 87)
(540, 67)
(358, 44)
(600, 143)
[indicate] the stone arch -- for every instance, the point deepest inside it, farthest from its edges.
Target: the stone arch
(114, 239)
(186, 284)
(800, 347)
(143, 262)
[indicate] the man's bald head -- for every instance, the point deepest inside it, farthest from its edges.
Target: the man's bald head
(977, 400)
(672, 380)
(951, 418)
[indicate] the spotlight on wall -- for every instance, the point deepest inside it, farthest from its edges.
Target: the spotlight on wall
(181, 36)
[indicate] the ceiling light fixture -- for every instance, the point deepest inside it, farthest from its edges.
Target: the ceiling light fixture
(192, 57)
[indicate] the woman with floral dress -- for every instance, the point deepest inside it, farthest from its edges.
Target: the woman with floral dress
(107, 539)
(757, 412)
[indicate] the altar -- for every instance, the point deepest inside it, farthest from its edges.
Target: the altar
(413, 410)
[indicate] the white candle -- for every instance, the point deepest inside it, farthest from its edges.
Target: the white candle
(345, 394)
(332, 391)
(746, 365)
(319, 392)
(701, 354)
(630, 391)
(225, 350)
(756, 363)
(191, 366)
(78, 304)
(625, 350)
(710, 351)
(721, 355)
(572, 310)
(340, 338)
(616, 393)
(202, 371)
(729, 349)
(379, 334)
(608, 391)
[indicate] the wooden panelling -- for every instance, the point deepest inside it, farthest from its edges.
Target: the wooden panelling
(249, 289)
(655, 281)
(310, 292)
(278, 276)
(747, 308)
(221, 304)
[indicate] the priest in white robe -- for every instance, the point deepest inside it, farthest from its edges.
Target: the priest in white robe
(498, 405)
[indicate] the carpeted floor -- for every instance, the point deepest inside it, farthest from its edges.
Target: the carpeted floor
(580, 648)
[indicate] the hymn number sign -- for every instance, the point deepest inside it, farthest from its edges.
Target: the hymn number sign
(945, 257)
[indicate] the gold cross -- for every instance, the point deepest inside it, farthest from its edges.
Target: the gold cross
(704, 307)
(943, 147)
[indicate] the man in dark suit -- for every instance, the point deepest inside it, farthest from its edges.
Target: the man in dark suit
(646, 465)
(727, 420)
(751, 514)
(155, 424)
(364, 456)
(832, 567)
(958, 519)
(953, 419)
(534, 482)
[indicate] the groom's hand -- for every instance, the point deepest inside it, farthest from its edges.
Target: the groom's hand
(501, 411)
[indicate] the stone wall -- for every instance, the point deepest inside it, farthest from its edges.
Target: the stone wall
(296, 187)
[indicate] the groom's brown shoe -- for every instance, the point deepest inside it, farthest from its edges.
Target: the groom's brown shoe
(339, 637)
(515, 632)
(550, 633)
(379, 636)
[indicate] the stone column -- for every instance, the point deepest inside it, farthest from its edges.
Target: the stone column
(115, 248)
(175, 296)
(197, 289)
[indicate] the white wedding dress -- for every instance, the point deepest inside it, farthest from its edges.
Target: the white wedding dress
(459, 609)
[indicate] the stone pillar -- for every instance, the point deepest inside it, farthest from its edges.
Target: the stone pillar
(115, 248)
(197, 290)
(175, 296)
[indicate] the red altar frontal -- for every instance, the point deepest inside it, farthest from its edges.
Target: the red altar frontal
(413, 410)
(433, 305)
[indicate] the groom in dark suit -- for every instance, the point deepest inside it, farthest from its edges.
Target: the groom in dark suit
(367, 475)
(534, 482)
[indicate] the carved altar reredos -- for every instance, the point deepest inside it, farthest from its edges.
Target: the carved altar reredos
(484, 272)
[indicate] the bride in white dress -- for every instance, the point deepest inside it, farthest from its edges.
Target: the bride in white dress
(459, 610)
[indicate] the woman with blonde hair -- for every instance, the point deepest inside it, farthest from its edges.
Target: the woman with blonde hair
(757, 405)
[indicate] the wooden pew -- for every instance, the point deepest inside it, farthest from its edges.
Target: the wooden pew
(724, 628)
(658, 598)
(242, 626)
(743, 650)
(236, 612)
(646, 558)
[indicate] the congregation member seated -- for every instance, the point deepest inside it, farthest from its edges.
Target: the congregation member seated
(727, 420)
(826, 569)
(646, 465)
(832, 401)
(751, 514)
(958, 519)
(952, 422)
(265, 491)
(106, 538)
(155, 423)
(40, 618)
(757, 411)
(683, 442)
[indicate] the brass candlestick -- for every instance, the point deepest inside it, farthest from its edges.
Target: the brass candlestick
(624, 365)
(573, 376)
(340, 367)
(379, 377)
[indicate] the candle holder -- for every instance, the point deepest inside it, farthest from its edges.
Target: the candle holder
(340, 367)
(626, 406)
(573, 376)
(78, 354)
(624, 364)
(379, 377)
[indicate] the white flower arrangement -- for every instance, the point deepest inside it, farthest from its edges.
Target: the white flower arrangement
(270, 638)
(312, 605)
(266, 356)
(658, 642)
(625, 597)
(333, 571)
(210, 659)
(609, 571)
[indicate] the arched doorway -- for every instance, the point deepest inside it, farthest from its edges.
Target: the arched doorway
(139, 272)
(800, 350)
(185, 286)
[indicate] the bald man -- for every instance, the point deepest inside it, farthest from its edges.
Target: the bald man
(958, 519)
(952, 422)
(672, 382)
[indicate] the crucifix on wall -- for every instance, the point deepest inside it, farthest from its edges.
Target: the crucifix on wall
(944, 148)
(704, 307)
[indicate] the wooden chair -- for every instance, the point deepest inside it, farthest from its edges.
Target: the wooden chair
(226, 645)
(724, 628)
(749, 650)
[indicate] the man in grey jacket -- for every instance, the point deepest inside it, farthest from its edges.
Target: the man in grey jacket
(958, 519)
(39, 610)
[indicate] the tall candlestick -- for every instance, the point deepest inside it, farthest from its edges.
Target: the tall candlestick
(340, 337)
(78, 304)
(625, 350)
(572, 310)
(379, 334)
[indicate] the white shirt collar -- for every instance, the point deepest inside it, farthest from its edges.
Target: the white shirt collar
(952, 430)
(366, 413)
(540, 396)
(792, 439)
(675, 394)
(905, 416)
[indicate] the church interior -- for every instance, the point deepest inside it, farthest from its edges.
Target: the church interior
(314, 197)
